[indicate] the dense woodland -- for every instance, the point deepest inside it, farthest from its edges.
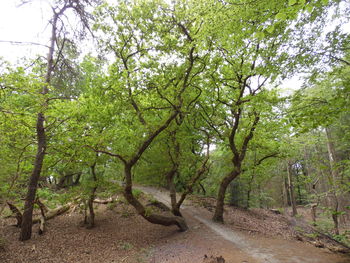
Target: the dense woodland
(184, 95)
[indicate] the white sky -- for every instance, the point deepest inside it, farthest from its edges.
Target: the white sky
(29, 23)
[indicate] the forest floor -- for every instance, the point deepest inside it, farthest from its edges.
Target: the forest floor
(120, 235)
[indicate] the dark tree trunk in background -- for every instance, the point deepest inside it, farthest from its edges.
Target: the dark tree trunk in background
(203, 189)
(300, 199)
(285, 192)
(172, 190)
(291, 189)
(189, 188)
(175, 205)
(334, 180)
(91, 217)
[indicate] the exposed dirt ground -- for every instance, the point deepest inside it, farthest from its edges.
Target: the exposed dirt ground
(122, 236)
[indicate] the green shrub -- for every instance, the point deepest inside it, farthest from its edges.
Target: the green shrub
(125, 245)
(111, 205)
(137, 193)
(2, 243)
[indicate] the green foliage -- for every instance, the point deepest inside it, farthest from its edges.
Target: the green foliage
(344, 238)
(325, 225)
(125, 245)
(2, 243)
(206, 62)
(137, 193)
(112, 205)
(312, 235)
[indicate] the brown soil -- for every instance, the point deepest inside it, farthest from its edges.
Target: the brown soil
(122, 236)
(197, 244)
(255, 221)
(119, 236)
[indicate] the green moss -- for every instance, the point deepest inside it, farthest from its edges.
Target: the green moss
(125, 245)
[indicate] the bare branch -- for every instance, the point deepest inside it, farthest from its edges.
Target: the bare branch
(23, 43)
(108, 153)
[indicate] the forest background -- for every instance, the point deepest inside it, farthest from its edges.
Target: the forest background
(184, 95)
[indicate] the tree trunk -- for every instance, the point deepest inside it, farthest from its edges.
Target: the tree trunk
(334, 180)
(247, 205)
(43, 211)
(250, 188)
(291, 190)
(203, 189)
(152, 218)
(77, 179)
(175, 205)
(91, 218)
(68, 180)
(26, 228)
(314, 213)
(18, 214)
(50, 214)
(172, 190)
(189, 189)
(219, 209)
(300, 201)
(285, 192)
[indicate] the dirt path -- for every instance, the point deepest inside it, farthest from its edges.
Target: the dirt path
(208, 238)
(122, 236)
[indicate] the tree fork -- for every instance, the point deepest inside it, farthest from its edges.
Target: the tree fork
(18, 213)
(152, 218)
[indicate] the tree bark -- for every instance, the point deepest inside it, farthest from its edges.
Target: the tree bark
(334, 180)
(219, 209)
(68, 180)
(204, 168)
(314, 213)
(175, 205)
(203, 189)
(26, 229)
(106, 201)
(238, 156)
(152, 218)
(172, 190)
(43, 211)
(91, 218)
(285, 192)
(54, 212)
(18, 214)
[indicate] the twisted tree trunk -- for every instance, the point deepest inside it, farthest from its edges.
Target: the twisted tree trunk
(150, 217)
(219, 209)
